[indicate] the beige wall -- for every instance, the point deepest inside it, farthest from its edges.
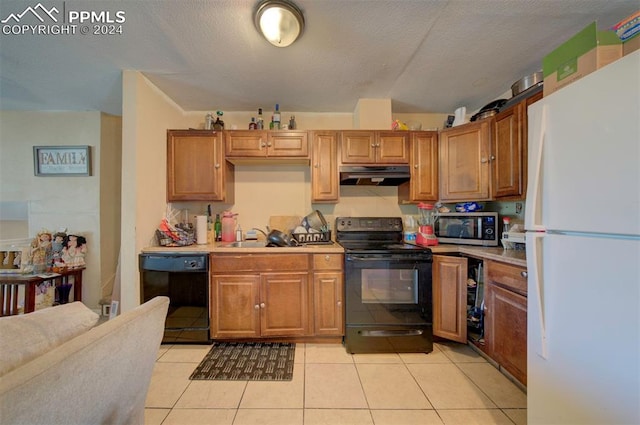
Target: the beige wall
(261, 190)
(76, 203)
(110, 205)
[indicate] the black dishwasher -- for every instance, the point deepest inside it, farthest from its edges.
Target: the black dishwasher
(184, 278)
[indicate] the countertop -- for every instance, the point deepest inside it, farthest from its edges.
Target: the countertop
(514, 257)
(218, 248)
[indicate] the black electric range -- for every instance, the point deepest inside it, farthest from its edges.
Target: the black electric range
(387, 287)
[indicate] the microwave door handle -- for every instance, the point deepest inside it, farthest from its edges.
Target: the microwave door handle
(480, 232)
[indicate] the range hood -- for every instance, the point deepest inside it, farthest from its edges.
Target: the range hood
(374, 175)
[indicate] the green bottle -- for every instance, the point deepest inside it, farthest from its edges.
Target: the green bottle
(219, 124)
(217, 228)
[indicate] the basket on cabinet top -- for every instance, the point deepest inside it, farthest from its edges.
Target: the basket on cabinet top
(179, 237)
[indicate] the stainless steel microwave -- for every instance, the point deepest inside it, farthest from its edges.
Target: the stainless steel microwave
(467, 228)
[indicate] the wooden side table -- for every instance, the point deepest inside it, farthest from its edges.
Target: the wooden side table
(11, 283)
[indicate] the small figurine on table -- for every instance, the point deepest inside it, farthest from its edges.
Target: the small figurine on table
(74, 251)
(41, 251)
(57, 246)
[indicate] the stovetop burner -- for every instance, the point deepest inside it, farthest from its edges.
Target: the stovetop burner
(373, 235)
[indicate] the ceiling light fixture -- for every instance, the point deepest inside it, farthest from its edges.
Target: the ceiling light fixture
(280, 21)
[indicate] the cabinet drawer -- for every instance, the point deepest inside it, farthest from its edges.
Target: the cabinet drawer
(508, 276)
(224, 263)
(327, 261)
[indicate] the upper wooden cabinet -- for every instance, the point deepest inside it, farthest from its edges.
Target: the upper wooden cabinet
(196, 167)
(423, 185)
(509, 151)
(487, 159)
(464, 162)
(374, 147)
(263, 143)
(325, 186)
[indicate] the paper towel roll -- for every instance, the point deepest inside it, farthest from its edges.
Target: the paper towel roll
(201, 229)
(460, 116)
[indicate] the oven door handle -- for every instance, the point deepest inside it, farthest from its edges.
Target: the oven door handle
(389, 259)
(359, 258)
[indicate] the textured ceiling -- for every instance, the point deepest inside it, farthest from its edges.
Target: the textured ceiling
(425, 55)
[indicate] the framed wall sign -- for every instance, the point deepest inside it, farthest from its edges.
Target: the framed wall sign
(62, 160)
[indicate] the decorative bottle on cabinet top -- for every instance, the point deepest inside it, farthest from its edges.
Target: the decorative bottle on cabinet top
(276, 118)
(260, 123)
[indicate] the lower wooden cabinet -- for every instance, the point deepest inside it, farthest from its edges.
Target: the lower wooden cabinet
(235, 306)
(255, 295)
(328, 294)
(276, 295)
(505, 309)
(284, 300)
(505, 317)
(450, 297)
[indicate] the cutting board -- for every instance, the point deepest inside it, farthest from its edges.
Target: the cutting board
(284, 223)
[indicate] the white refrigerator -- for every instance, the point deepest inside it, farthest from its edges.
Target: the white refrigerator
(582, 219)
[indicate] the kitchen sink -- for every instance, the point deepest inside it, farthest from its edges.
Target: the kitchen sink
(245, 244)
(255, 244)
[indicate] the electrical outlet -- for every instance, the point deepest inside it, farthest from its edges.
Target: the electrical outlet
(518, 207)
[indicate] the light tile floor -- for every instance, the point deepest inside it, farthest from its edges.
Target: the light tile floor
(453, 385)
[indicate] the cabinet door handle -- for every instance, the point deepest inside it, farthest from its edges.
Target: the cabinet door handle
(339, 303)
(269, 144)
(373, 145)
(415, 166)
(484, 160)
(217, 166)
(524, 274)
(327, 258)
(262, 305)
(257, 307)
(263, 144)
(317, 166)
(493, 158)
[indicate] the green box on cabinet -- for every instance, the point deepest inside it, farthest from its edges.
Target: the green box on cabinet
(582, 54)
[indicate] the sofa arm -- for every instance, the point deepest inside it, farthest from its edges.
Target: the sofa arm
(99, 377)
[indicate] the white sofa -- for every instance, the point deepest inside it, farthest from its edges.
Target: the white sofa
(58, 367)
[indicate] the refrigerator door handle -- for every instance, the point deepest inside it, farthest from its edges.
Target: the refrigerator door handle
(534, 243)
(533, 213)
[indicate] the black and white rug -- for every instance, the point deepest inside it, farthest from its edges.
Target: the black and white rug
(247, 361)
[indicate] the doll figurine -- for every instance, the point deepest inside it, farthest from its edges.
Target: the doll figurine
(74, 251)
(41, 251)
(56, 247)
